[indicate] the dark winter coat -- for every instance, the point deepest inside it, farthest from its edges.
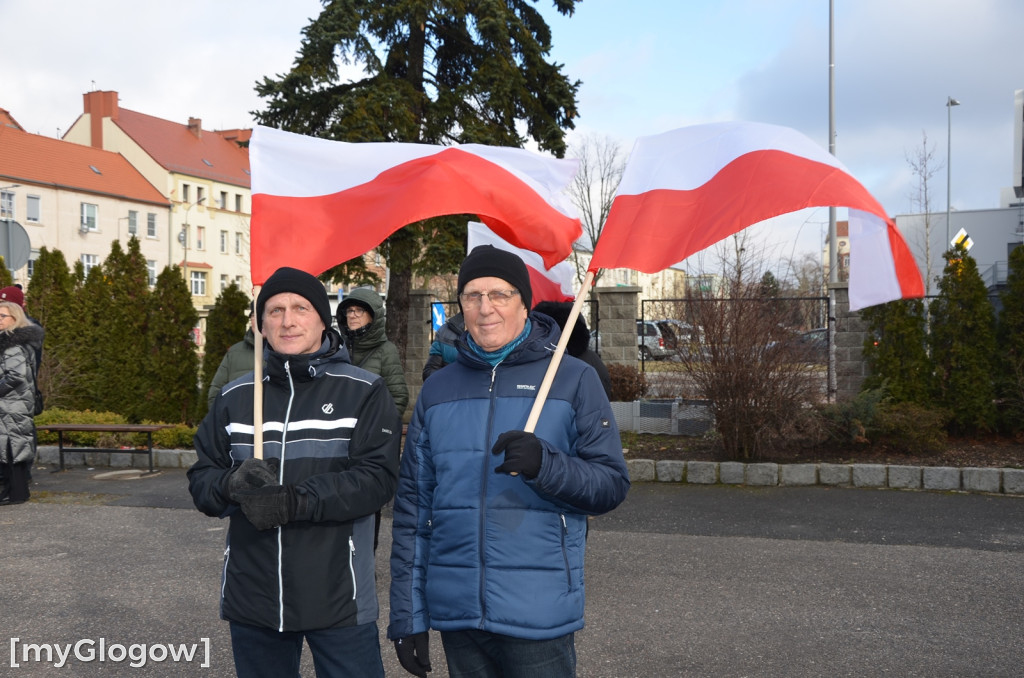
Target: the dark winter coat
(475, 549)
(336, 433)
(237, 362)
(18, 350)
(369, 347)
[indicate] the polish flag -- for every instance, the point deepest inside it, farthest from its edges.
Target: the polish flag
(548, 284)
(317, 203)
(685, 190)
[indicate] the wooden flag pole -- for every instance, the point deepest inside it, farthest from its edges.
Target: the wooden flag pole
(556, 359)
(257, 387)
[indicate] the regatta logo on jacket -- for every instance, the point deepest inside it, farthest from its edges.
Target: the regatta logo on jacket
(327, 408)
(526, 387)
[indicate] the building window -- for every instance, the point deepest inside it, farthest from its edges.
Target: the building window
(238, 243)
(198, 279)
(200, 237)
(238, 280)
(89, 261)
(6, 205)
(32, 256)
(199, 194)
(32, 208)
(151, 271)
(185, 192)
(238, 202)
(223, 201)
(89, 213)
(133, 222)
(223, 282)
(224, 242)
(151, 225)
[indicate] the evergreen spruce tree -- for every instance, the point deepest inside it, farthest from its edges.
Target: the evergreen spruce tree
(896, 351)
(6, 279)
(226, 325)
(438, 72)
(121, 364)
(93, 346)
(51, 301)
(963, 346)
(1010, 336)
(172, 362)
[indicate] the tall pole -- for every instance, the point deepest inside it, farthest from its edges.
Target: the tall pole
(833, 254)
(950, 103)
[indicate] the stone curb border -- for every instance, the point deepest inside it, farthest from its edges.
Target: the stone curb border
(1009, 481)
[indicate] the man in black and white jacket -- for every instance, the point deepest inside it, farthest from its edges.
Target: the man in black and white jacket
(299, 560)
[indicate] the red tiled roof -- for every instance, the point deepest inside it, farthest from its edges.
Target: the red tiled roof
(7, 120)
(177, 149)
(35, 159)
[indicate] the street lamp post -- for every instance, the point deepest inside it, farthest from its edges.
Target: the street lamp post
(950, 103)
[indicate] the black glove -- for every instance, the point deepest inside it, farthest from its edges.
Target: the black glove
(523, 453)
(269, 506)
(414, 653)
(252, 474)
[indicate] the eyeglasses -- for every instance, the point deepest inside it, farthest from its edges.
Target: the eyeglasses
(496, 297)
(354, 310)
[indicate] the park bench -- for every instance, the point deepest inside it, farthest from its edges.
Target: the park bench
(104, 428)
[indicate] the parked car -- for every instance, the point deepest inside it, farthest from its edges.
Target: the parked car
(650, 341)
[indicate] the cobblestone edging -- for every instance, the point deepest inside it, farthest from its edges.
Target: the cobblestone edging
(49, 454)
(1008, 481)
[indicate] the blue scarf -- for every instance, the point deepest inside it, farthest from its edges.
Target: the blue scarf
(495, 357)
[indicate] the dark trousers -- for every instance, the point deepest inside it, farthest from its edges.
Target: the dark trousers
(347, 652)
(480, 654)
(13, 480)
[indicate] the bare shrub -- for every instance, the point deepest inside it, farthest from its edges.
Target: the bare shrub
(628, 383)
(760, 379)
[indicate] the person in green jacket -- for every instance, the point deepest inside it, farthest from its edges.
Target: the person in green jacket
(238, 361)
(361, 321)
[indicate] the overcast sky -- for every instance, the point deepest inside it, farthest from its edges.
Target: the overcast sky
(647, 67)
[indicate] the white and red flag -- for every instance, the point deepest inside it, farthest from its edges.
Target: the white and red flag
(548, 284)
(317, 203)
(685, 190)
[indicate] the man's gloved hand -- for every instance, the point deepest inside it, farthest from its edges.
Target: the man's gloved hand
(269, 506)
(414, 653)
(523, 453)
(250, 475)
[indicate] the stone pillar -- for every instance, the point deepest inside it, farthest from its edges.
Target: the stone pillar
(850, 332)
(617, 314)
(417, 343)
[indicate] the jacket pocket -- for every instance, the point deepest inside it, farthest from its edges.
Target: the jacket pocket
(565, 551)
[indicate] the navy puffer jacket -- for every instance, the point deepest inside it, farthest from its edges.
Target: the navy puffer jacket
(474, 549)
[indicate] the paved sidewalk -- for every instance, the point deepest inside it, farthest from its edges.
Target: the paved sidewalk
(682, 580)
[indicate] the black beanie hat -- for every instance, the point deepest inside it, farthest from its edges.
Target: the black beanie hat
(487, 261)
(298, 282)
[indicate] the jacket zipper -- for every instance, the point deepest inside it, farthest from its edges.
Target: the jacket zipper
(565, 551)
(351, 565)
(483, 496)
(224, 574)
(280, 528)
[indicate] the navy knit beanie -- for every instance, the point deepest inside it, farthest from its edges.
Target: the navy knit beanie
(487, 261)
(298, 282)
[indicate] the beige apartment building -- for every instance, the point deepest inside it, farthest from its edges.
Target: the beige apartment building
(204, 176)
(78, 200)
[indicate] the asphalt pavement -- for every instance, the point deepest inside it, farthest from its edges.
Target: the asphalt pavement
(682, 580)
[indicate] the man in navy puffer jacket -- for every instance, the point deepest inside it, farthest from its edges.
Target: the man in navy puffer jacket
(490, 521)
